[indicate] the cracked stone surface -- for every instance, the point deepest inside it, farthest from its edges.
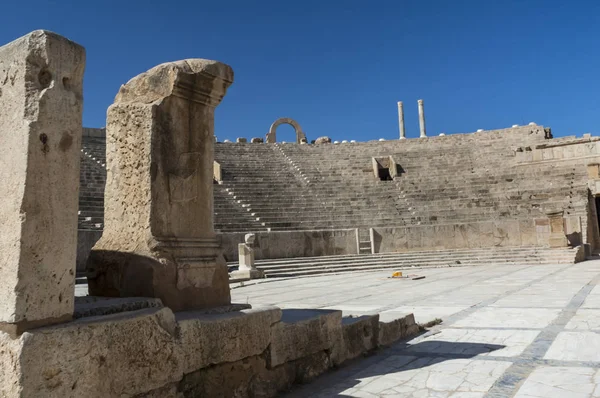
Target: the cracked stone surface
(571, 382)
(507, 331)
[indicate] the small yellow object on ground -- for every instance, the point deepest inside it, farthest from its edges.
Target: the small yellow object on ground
(397, 274)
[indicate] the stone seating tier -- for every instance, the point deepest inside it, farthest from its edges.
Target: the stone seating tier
(459, 178)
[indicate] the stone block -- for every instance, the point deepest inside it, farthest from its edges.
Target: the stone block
(247, 273)
(527, 232)
(115, 355)
(323, 140)
(41, 101)
(542, 231)
(573, 230)
(251, 377)
(241, 140)
(360, 336)
(210, 339)
(303, 332)
(393, 329)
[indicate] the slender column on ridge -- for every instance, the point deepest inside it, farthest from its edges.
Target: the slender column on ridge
(401, 120)
(422, 118)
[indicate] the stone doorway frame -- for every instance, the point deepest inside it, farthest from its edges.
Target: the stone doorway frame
(272, 136)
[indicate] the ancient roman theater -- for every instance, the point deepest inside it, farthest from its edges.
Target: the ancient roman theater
(147, 258)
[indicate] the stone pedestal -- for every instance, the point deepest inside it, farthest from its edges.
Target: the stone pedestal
(158, 239)
(41, 100)
(246, 269)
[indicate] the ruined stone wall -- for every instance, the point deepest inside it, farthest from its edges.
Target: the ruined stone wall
(289, 244)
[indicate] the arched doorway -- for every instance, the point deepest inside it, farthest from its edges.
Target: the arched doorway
(272, 137)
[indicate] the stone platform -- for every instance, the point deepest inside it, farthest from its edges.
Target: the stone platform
(522, 331)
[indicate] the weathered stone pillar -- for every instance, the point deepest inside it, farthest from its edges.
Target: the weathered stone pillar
(41, 100)
(158, 238)
(401, 120)
(421, 118)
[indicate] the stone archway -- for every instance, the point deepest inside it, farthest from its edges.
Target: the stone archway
(272, 137)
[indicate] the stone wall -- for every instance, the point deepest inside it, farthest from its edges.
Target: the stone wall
(510, 233)
(288, 244)
(157, 353)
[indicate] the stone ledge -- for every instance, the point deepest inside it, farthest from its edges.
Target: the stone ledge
(216, 338)
(393, 329)
(95, 306)
(153, 352)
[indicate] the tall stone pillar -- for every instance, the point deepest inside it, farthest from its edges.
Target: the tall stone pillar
(422, 119)
(401, 120)
(158, 238)
(41, 100)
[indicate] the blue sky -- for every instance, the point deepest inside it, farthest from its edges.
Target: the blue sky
(339, 67)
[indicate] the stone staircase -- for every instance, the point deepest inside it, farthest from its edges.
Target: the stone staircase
(92, 179)
(308, 266)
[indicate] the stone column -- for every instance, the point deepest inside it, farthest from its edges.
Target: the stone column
(41, 100)
(422, 118)
(401, 120)
(158, 238)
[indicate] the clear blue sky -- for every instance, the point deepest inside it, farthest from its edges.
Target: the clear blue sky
(339, 67)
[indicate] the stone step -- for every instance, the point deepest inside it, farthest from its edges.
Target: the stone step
(367, 262)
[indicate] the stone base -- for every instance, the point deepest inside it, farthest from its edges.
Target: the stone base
(154, 353)
(180, 286)
(558, 240)
(245, 274)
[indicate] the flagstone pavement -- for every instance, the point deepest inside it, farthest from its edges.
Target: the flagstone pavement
(507, 331)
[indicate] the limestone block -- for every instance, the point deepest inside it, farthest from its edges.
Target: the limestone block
(392, 330)
(542, 230)
(443, 237)
(323, 140)
(557, 230)
(110, 356)
(247, 273)
(415, 237)
(241, 140)
(573, 230)
(256, 140)
(246, 256)
(250, 377)
(461, 239)
(486, 236)
(593, 170)
(210, 339)
(304, 332)
(528, 233)
(158, 239)
(360, 336)
(506, 233)
(41, 100)
(217, 172)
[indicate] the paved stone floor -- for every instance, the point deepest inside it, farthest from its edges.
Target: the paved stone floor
(507, 331)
